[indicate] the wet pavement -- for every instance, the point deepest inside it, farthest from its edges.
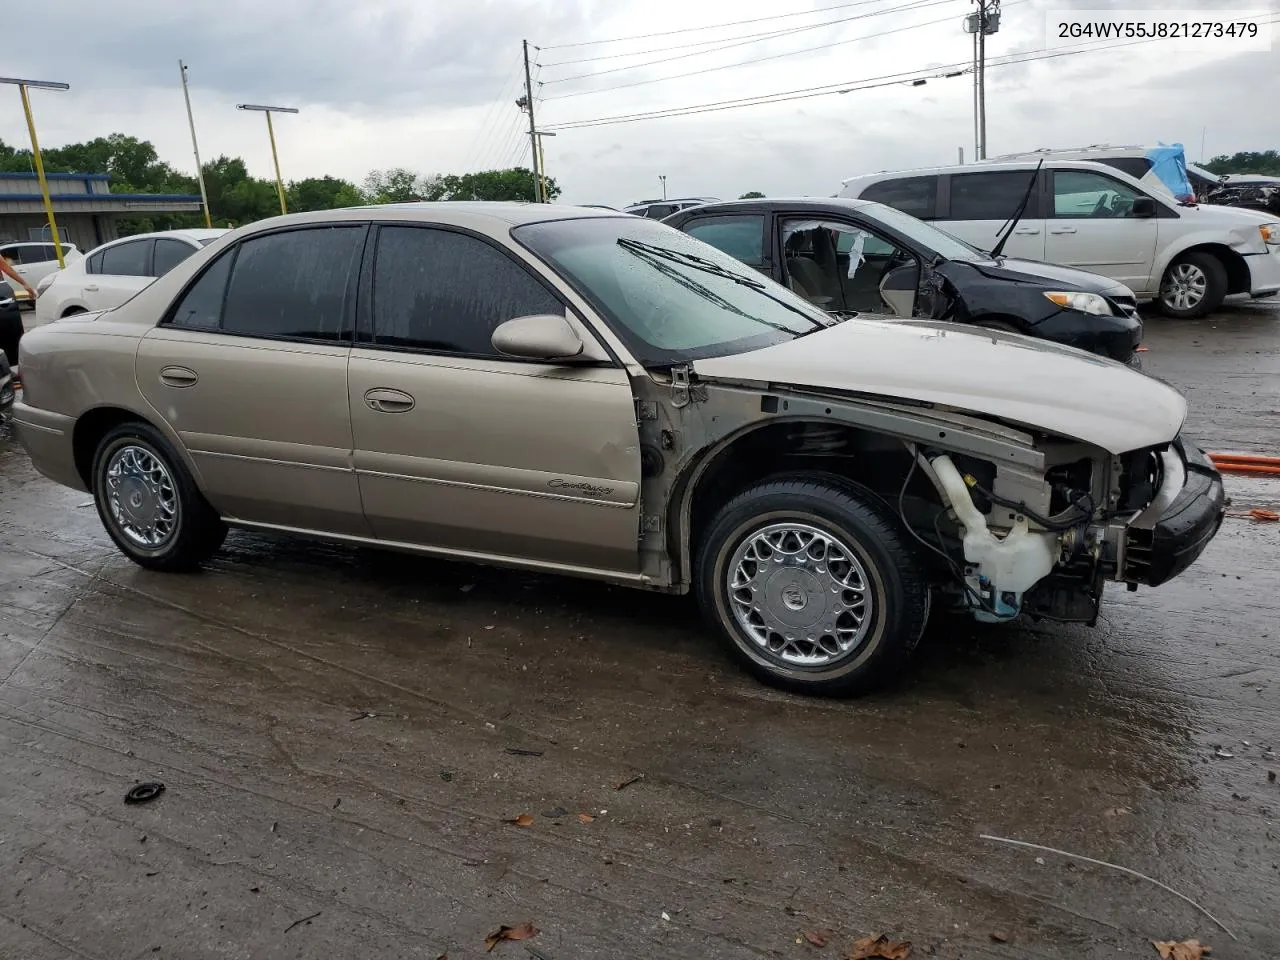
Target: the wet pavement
(343, 733)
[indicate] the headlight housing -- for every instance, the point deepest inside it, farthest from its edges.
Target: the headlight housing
(1270, 234)
(1084, 302)
(45, 283)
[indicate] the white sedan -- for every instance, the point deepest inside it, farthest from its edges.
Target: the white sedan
(112, 273)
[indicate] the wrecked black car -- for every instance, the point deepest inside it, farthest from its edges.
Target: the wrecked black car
(1245, 190)
(857, 256)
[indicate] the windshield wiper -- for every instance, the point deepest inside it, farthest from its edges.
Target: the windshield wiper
(640, 248)
(1017, 214)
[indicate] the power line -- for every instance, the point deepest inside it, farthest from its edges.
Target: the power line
(714, 26)
(776, 56)
(850, 86)
(912, 5)
(481, 141)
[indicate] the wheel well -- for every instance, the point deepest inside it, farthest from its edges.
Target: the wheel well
(88, 433)
(874, 461)
(1000, 321)
(72, 311)
(1237, 270)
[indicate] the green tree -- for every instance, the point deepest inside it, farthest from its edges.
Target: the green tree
(234, 196)
(513, 184)
(1266, 162)
(397, 185)
(752, 195)
(322, 193)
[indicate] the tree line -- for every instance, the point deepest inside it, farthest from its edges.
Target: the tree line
(235, 198)
(1266, 163)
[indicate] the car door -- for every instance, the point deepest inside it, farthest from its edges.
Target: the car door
(476, 454)
(1092, 227)
(249, 369)
(981, 204)
(114, 274)
(740, 235)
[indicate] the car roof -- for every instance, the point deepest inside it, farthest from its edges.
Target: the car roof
(478, 213)
(33, 243)
(982, 166)
(775, 203)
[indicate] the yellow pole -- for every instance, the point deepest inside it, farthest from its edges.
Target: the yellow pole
(276, 160)
(44, 184)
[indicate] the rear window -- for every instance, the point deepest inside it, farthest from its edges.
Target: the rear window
(1136, 167)
(742, 237)
(989, 196)
(914, 195)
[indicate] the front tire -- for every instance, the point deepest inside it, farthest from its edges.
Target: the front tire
(813, 585)
(148, 502)
(1193, 285)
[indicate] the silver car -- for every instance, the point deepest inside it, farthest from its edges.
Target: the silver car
(596, 394)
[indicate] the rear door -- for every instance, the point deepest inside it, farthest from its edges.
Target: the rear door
(117, 273)
(250, 371)
(462, 449)
(1092, 226)
(740, 235)
(980, 204)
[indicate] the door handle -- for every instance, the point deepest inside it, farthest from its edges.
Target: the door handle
(91, 287)
(1062, 230)
(386, 400)
(1027, 231)
(179, 376)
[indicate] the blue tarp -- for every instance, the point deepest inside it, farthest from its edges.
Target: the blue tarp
(1169, 163)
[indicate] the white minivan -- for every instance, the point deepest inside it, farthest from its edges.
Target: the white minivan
(1097, 218)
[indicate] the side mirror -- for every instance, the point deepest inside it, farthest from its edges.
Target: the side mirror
(1144, 207)
(539, 336)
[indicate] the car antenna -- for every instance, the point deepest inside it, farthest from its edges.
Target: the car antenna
(1017, 214)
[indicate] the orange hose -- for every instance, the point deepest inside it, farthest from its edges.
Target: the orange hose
(1255, 459)
(1251, 468)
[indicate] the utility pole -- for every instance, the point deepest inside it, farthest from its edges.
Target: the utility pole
(195, 147)
(526, 103)
(982, 24)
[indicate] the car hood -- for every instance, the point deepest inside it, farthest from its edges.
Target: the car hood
(1007, 376)
(1067, 278)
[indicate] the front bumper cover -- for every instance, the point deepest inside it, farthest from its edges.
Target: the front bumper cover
(1167, 537)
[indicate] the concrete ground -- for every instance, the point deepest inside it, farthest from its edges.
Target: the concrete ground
(343, 736)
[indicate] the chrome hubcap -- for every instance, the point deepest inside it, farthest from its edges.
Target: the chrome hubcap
(1185, 286)
(800, 594)
(141, 497)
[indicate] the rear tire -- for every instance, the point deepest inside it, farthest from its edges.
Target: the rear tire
(148, 502)
(1193, 285)
(813, 585)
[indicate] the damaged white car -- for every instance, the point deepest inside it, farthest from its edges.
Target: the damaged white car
(588, 393)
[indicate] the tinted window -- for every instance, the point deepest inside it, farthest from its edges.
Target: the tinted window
(1079, 193)
(741, 237)
(127, 259)
(170, 253)
(45, 253)
(448, 292)
(201, 307)
(295, 284)
(913, 195)
(1135, 167)
(988, 196)
(93, 264)
(659, 210)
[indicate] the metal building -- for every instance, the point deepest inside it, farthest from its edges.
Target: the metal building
(83, 204)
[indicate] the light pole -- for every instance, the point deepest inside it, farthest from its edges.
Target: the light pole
(982, 24)
(662, 177)
(541, 174)
(22, 86)
(195, 147)
(275, 157)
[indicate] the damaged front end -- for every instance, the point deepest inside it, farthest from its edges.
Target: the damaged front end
(1139, 518)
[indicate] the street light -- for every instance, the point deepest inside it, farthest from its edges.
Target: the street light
(540, 185)
(275, 157)
(663, 177)
(22, 86)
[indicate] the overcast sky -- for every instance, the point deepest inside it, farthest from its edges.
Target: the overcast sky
(431, 84)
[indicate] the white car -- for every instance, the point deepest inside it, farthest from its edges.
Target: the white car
(1096, 218)
(110, 274)
(36, 259)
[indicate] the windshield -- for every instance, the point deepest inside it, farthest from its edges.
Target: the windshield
(927, 235)
(670, 298)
